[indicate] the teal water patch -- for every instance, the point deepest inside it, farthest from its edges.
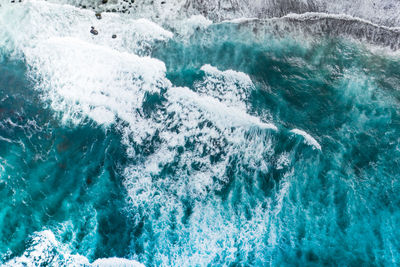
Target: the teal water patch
(57, 177)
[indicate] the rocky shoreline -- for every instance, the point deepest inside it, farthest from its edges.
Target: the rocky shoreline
(287, 15)
(381, 12)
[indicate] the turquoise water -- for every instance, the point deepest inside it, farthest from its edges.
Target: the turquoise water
(211, 182)
(53, 173)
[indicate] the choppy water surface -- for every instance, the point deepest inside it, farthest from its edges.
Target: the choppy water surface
(194, 144)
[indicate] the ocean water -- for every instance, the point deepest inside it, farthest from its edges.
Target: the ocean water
(194, 143)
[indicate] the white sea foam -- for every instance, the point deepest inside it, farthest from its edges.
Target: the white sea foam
(231, 87)
(222, 115)
(116, 262)
(45, 250)
(319, 15)
(283, 161)
(22, 26)
(308, 139)
(239, 20)
(187, 27)
(82, 79)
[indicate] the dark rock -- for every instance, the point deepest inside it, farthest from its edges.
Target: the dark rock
(94, 31)
(114, 36)
(163, 2)
(104, 1)
(98, 15)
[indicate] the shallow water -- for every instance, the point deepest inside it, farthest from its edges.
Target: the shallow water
(206, 145)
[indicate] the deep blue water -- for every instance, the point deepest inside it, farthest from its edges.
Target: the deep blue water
(230, 195)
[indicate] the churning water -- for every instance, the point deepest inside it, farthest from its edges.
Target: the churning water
(248, 142)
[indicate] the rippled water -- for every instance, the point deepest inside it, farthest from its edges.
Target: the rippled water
(197, 144)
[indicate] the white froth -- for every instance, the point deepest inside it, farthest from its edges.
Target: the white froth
(308, 139)
(283, 161)
(81, 79)
(231, 87)
(22, 26)
(276, 231)
(199, 20)
(116, 262)
(319, 15)
(224, 116)
(46, 250)
(239, 20)
(187, 27)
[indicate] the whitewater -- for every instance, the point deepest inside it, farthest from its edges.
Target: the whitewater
(196, 133)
